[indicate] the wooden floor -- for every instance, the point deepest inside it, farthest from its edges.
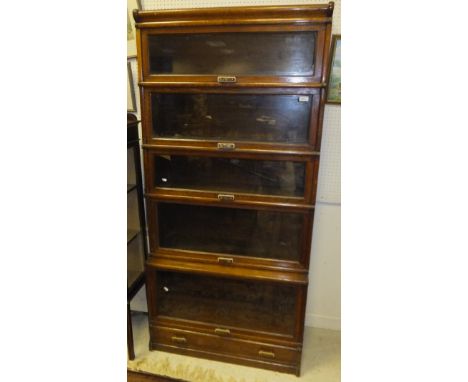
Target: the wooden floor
(133, 376)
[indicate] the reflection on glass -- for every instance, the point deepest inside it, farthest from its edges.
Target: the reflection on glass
(257, 233)
(239, 303)
(237, 117)
(273, 53)
(265, 177)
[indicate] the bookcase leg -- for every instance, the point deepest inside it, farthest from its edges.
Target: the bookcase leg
(131, 350)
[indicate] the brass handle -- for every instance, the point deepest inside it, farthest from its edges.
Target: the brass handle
(224, 332)
(226, 198)
(227, 79)
(267, 354)
(179, 340)
(226, 146)
(225, 260)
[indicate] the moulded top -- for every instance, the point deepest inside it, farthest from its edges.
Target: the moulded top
(236, 15)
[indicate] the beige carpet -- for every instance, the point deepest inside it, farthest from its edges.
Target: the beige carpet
(320, 361)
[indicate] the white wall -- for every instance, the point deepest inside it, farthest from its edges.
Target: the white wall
(324, 294)
(324, 297)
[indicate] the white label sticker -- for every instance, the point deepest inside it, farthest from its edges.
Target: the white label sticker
(303, 98)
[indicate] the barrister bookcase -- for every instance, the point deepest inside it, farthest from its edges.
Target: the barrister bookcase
(232, 108)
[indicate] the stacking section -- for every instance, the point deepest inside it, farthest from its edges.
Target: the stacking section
(232, 108)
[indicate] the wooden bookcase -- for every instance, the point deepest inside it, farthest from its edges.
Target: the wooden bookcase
(232, 109)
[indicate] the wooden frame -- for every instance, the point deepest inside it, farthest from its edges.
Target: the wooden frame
(241, 343)
(242, 261)
(155, 265)
(242, 146)
(311, 163)
(334, 80)
(261, 19)
(131, 99)
(211, 80)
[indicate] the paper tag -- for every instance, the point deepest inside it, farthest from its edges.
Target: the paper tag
(303, 98)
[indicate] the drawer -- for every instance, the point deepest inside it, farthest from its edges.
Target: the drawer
(232, 121)
(236, 177)
(231, 236)
(236, 308)
(222, 345)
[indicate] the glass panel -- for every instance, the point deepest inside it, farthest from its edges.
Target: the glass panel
(239, 303)
(135, 259)
(238, 117)
(267, 54)
(266, 234)
(265, 177)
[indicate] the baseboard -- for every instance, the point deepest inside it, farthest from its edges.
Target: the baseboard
(324, 322)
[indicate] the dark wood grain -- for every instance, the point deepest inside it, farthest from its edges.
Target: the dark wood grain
(231, 174)
(152, 29)
(130, 345)
(239, 178)
(276, 123)
(139, 376)
(225, 348)
(237, 15)
(233, 271)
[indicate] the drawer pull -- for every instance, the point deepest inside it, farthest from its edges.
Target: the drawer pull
(227, 79)
(179, 340)
(226, 146)
(223, 332)
(266, 354)
(226, 198)
(225, 260)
